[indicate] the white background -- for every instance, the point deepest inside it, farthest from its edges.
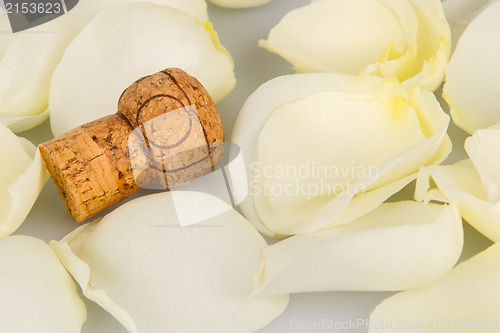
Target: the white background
(239, 31)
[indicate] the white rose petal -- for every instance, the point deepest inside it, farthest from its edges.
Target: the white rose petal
(464, 11)
(240, 3)
(407, 39)
(465, 300)
(28, 59)
(351, 138)
(22, 178)
(395, 247)
(37, 294)
(483, 150)
(460, 13)
(473, 74)
(153, 275)
(472, 184)
(23, 123)
(117, 48)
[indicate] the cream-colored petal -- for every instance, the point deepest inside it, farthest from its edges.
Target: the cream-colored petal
(464, 11)
(240, 3)
(337, 157)
(344, 134)
(117, 48)
(365, 202)
(311, 123)
(325, 210)
(466, 300)
(483, 150)
(407, 39)
(37, 294)
(23, 176)
(397, 246)
(460, 13)
(24, 123)
(391, 175)
(340, 35)
(424, 192)
(153, 275)
(28, 59)
(461, 184)
(473, 74)
(260, 105)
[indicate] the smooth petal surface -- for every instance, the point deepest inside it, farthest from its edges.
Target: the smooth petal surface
(395, 247)
(406, 39)
(155, 276)
(240, 3)
(471, 184)
(296, 37)
(483, 150)
(324, 139)
(473, 74)
(37, 294)
(460, 13)
(465, 300)
(22, 178)
(117, 48)
(23, 123)
(27, 61)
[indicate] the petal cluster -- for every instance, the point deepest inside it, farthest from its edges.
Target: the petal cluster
(324, 149)
(406, 39)
(323, 152)
(29, 58)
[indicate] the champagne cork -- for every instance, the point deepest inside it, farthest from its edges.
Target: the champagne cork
(166, 133)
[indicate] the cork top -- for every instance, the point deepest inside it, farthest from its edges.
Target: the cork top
(177, 134)
(169, 90)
